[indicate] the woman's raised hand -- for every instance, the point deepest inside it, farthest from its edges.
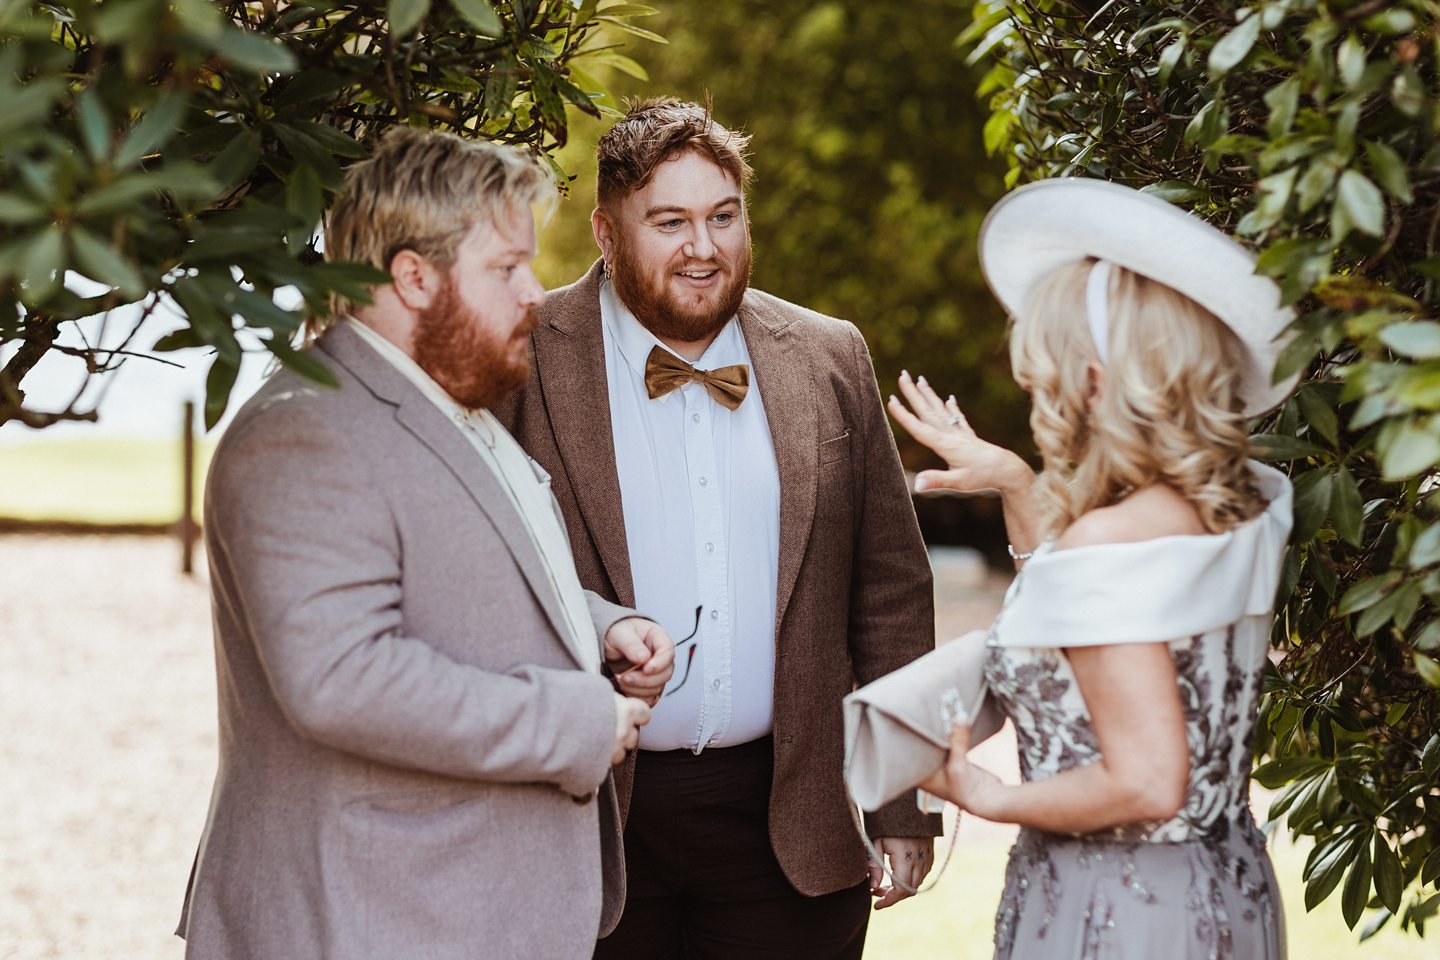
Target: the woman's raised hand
(974, 464)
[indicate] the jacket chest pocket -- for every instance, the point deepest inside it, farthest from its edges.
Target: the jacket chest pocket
(834, 497)
(835, 449)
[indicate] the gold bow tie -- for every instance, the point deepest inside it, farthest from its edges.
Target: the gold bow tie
(665, 372)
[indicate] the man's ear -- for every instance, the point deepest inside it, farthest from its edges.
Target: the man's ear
(415, 280)
(604, 233)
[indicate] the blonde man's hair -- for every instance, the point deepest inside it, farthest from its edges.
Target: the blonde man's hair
(660, 129)
(424, 191)
(1171, 410)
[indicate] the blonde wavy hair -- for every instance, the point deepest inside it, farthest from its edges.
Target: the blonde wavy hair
(1170, 411)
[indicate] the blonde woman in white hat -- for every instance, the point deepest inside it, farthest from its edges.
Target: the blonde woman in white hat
(1130, 650)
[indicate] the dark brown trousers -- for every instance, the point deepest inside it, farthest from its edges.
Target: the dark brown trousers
(703, 881)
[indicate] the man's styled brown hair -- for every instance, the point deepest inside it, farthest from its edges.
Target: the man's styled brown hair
(424, 191)
(660, 129)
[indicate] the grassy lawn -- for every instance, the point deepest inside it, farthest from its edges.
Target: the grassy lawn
(99, 480)
(955, 920)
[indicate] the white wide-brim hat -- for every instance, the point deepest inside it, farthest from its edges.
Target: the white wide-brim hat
(1044, 225)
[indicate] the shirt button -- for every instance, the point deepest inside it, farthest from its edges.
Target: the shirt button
(716, 683)
(695, 417)
(703, 481)
(714, 614)
(709, 548)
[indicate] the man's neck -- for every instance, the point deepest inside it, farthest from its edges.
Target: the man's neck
(691, 350)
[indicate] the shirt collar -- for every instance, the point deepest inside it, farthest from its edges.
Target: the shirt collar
(635, 342)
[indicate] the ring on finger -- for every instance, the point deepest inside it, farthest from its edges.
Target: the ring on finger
(953, 421)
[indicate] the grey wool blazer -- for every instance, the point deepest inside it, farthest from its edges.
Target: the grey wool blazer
(854, 594)
(412, 761)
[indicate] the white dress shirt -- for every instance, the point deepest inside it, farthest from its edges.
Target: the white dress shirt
(701, 494)
(524, 481)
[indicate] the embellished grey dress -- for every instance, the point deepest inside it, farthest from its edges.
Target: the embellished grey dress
(1201, 884)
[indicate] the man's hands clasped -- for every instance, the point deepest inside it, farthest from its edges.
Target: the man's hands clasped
(640, 658)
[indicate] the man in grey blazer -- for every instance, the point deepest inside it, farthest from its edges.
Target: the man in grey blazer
(416, 723)
(723, 455)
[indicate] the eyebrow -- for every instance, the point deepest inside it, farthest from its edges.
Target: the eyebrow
(734, 199)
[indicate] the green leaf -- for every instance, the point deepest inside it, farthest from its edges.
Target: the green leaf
(1367, 592)
(1406, 447)
(302, 362)
(481, 16)
(1273, 447)
(1347, 511)
(20, 210)
(1350, 65)
(1389, 170)
(102, 262)
(94, 124)
(183, 339)
(1176, 191)
(1430, 757)
(218, 384)
(1390, 22)
(1361, 202)
(1427, 668)
(405, 15)
(1331, 856)
(1426, 548)
(1283, 99)
(1356, 892)
(1318, 412)
(154, 130)
(1417, 338)
(1430, 870)
(1429, 638)
(1233, 47)
(43, 265)
(1276, 773)
(620, 62)
(253, 52)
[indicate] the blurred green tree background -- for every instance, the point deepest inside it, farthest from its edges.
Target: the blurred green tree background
(871, 177)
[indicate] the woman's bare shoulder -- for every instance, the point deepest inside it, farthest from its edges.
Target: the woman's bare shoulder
(1156, 511)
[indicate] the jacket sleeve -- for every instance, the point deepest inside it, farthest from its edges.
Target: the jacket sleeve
(892, 600)
(307, 562)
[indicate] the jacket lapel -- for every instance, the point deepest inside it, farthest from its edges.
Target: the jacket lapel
(784, 376)
(570, 363)
(431, 428)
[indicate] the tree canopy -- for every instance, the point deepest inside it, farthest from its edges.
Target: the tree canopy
(179, 153)
(1308, 128)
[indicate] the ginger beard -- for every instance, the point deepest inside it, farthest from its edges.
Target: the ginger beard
(471, 359)
(686, 317)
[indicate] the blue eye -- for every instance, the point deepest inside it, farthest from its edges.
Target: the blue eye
(724, 219)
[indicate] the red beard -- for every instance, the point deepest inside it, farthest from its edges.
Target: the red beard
(467, 356)
(661, 312)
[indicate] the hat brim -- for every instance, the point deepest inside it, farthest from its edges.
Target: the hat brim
(1042, 226)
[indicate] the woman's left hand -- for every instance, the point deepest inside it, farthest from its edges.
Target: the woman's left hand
(967, 786)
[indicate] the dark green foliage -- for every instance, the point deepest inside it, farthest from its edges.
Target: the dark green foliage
(1308, 129)
(180, 152)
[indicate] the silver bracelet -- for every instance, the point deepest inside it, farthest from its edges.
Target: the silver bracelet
(1016, 556)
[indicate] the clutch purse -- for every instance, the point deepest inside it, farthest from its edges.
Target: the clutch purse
(897, 729)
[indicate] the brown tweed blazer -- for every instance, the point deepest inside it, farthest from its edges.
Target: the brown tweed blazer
(409, 749)
(854, 598)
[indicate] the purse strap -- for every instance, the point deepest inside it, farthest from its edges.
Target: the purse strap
(877, 857)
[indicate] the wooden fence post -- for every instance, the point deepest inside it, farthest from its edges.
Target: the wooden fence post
(187, 497)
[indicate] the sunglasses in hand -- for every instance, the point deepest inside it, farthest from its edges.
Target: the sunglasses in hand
(689, 655)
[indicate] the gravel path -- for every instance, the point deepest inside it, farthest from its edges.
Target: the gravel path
(107, 737)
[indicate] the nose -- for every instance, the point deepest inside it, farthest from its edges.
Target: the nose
(532, 291)
(701, 247)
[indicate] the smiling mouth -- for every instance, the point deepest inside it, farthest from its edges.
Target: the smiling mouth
(697, 274)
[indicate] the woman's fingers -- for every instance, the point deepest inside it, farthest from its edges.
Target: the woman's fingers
(959, 739)
(922, 398)
(912, 424)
